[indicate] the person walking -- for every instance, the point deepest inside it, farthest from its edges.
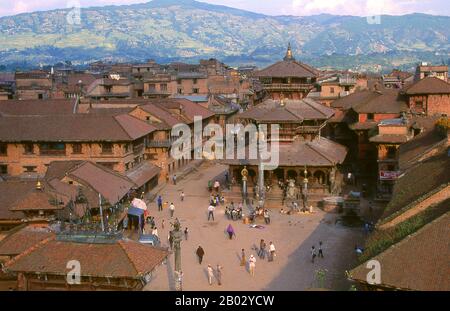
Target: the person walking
(252, 265)
(243, 258)
(160, 204)
(125, 223)
(172, 209)
(230, 231)
(210, 274)
(200, 253)
(217, 186)
(162, 224)
(262, 249)
(186, 231)
(320, 250)
(219, 274)
(174, 178)
(170, 237)
(155, 231)
(266, 217)
(211, 209)
(313, 253)
(272, 251)
(182, 196)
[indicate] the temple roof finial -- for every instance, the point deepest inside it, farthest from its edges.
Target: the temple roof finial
(289, 56)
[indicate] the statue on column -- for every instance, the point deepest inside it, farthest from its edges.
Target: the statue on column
(244, 174)
(177, 237)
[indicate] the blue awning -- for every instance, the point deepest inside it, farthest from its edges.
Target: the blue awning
(135, 211)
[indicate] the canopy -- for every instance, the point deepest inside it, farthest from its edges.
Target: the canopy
(139, 204)
(134, 211)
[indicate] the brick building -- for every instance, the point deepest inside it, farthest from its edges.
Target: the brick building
(28, 144)
(33, 85)
(429, 96)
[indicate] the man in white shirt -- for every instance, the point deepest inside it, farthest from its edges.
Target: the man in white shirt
(155, 231)
(271, 251)
(172, 209)
(252, 265)
(211, 209)
(210, 274)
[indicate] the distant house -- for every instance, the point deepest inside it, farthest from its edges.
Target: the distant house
(33, 85)
(361, 112)
(429, 96)
(428, 70)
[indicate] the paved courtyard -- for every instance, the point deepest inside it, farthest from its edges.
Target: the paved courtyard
(292, 235)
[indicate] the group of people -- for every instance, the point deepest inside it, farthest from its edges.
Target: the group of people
(234, 212)
(262, 252)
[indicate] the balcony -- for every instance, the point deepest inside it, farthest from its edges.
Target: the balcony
(287, 87)
(308, 129)
(151, 92)
(159, 143)
(49, 152)
(138, 149)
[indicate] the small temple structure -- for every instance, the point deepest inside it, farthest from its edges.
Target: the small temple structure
(288, 78)
(309, 162)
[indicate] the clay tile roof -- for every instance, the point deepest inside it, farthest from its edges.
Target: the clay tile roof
(190, 109)
(293, 110)
(122, 259)
(386, 101)
(58, 169)
(37, 107)
(288, 69)
(418, 262)
(11, 192)
(418, 146)
(167, 118)
(353, 99)
(80, 127)
(418, 181)
(143, 173)
(319, 152)
(19, 241)
(389, 138)
(39, 200)
(94, 175)
(429, 85)
(134, 127)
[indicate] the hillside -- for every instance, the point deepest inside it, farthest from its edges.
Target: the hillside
(188, 30)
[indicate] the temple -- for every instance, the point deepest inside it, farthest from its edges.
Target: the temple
(288, 78)
(312, 161)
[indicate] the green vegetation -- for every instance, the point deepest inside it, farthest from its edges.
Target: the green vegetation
(381, 240)
(188, 30)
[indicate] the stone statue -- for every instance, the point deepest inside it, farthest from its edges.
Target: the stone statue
(244, 174)
(291, 190)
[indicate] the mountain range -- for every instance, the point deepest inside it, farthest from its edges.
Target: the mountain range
(188, 30)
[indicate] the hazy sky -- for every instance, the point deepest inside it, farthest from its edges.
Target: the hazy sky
(270, 7)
